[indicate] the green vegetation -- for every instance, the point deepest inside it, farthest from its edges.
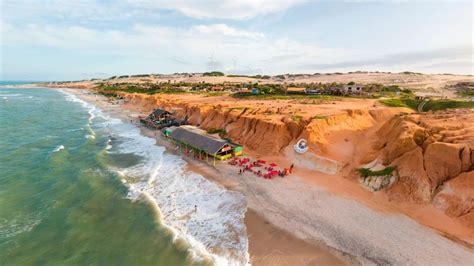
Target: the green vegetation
(212, 93)
(154, 88)
(235, 108)
(411, 73)
(130, 88)
(392, 88)
(432, 105)
(467, 93)
(269, 88)
(108, 94)
(253, 77)
(141, 76)
(213, 74)
(284, 97)
(464, 89)
(365, 172)
(320, 117)
(222, 132)
(437, 105)
(297, 118)
(402, 102)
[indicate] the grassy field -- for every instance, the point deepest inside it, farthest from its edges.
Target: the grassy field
(111, 90)
(432, 105)
(438, 105)
(285, 97)
(410, 103)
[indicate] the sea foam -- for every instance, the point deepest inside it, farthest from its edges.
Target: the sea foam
(59, 148)
(10, 95)
(209, 218)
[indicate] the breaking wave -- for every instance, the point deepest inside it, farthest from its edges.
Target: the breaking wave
(16, 226)
(59, 148)
(10, 95)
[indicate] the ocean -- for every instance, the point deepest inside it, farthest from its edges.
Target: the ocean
(78, 186)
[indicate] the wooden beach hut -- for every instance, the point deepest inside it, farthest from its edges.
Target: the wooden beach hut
(160, 115)
(202, 143)
(158, 119)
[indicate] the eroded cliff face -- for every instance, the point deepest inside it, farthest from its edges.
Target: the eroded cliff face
(433, 152)
(263, 130)
(434, 157)
(350, 120)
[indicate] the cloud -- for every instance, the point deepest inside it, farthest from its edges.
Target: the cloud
(197, 47)
(95, 10)
(454, 56)
(223, 29)
(216, 46)
(220, 9)
(124, 31)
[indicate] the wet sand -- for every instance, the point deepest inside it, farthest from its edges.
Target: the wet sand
(270, 246)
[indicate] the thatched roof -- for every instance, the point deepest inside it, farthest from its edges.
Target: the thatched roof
(205, 143)
(159, 112)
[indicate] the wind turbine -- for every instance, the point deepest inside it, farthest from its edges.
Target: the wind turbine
(212, 64)
(211, 58)
(235, 64)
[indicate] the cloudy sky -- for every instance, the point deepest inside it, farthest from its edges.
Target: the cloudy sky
(77, 39)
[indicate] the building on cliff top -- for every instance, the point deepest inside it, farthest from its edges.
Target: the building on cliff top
(353, 89)
(296, 90)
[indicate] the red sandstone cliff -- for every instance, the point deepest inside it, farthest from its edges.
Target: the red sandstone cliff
(433, 153)
(434, 157)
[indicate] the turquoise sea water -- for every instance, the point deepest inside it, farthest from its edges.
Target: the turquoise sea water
(15, 82)
(79, 187)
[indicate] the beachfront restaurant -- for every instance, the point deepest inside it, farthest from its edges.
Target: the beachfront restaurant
(203, 145)
(156, 118)
(160, 115)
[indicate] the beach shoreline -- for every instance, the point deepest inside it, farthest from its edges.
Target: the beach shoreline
(283, 245)
(318, 229)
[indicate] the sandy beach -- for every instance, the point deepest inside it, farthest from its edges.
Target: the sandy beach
(305, 220)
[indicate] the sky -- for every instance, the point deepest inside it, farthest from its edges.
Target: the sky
(83, 39)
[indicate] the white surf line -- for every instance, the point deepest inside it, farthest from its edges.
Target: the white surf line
(145, 146)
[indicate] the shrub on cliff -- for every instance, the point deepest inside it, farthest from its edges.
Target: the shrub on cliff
(365, 172)
(437, 105)
(432, 105)
(404, 102)
(222, 132)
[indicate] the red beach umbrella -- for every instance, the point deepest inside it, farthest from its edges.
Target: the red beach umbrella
(273, 164)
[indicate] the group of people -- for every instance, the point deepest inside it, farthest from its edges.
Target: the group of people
(248, 166)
